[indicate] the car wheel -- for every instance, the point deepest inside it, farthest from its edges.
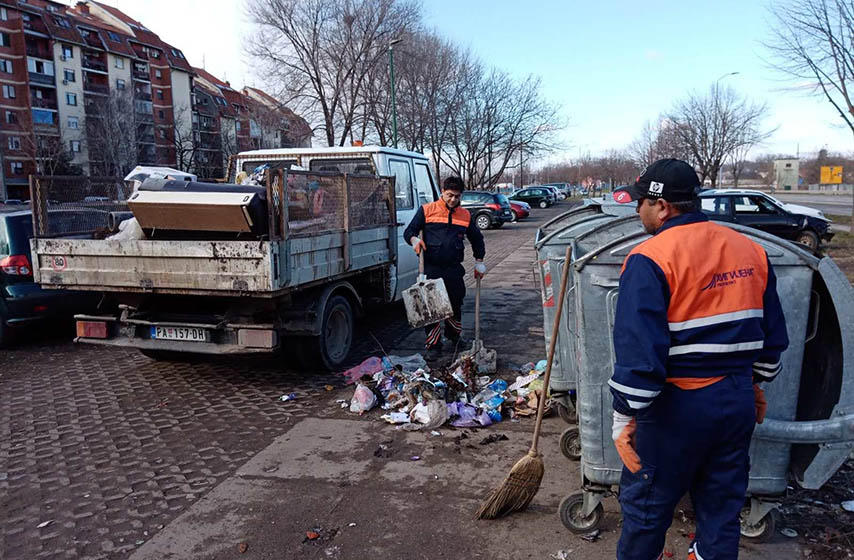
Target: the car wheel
(483, 221)
(515, 217)
(808, 238)
(544, 204)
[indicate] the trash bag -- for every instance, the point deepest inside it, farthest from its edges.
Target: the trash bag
(363, 399)
(128, 230)
(369, 367)
(431, 414)
(409, 363)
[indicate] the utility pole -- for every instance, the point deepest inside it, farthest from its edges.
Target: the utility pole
(521, 164)
(391, 45)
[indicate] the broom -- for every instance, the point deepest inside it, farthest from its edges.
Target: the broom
(523, 482)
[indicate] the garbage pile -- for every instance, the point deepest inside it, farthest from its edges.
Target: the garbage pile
(418, 398)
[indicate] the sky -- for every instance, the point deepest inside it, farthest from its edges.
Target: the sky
(611, 65)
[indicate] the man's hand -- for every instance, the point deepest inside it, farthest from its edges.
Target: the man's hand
(479, 270)
(623, 434)
(761, 403)
(417, 245)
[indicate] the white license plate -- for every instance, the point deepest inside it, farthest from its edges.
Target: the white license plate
(190, 334)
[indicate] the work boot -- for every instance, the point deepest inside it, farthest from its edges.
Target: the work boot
(434, 352)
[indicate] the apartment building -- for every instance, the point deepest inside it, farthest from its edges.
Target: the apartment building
(88, 89)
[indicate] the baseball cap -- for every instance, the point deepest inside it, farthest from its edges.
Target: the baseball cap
(670, 179)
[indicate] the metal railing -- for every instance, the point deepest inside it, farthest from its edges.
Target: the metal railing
(93, 64)
(42, 78)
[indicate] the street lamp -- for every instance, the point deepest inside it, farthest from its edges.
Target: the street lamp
(720, 175)
(391, 45)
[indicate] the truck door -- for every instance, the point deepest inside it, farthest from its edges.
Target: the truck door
(406, 200)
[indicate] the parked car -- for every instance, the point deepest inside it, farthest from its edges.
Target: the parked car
(22, 301)
(535, 196)
(559, 194)
(520, 210)
(564, 188)
(758, 210)
(488, 210)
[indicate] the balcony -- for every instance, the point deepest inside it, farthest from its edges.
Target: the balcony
(93, 110)
(141, 75)
(44, 79)
(99, 89)
(142, 95)
(44, 103)
(37, 51)
(144, 117)
(94, 64)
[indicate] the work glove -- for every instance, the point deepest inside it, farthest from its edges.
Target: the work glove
(761, 403)
(623, 434)
(418, 245)
(479, 270)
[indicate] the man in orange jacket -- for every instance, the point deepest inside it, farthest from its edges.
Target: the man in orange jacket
(698, 325)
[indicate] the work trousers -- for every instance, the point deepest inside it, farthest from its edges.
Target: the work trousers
(690, 441)
(456, 286)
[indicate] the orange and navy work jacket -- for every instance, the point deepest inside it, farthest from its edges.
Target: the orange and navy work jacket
(444, 231)
(698, 302)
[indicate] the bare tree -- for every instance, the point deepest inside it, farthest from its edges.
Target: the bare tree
(184, 141)
(50, 155)
(111, 128)
(714, 124)
(813, 41)
(644, 149)
(322, 50)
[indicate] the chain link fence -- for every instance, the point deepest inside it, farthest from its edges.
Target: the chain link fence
(76, 206)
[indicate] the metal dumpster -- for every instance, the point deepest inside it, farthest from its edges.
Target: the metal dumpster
(550, 243)
(809, 428)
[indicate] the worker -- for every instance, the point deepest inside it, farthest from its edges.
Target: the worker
(698, 325)
(444, 224)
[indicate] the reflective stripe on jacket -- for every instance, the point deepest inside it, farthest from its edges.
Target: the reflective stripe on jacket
(697, 301)
(444, 231)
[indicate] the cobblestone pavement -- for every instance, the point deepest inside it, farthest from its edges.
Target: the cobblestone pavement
(100, 447)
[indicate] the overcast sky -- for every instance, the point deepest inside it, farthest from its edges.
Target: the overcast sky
(611, 65)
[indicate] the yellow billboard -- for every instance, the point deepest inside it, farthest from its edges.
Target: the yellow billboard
(831, 175)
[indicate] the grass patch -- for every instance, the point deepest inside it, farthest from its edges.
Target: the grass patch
(840, 219)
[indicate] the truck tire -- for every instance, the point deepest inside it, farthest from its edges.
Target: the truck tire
(329, 350)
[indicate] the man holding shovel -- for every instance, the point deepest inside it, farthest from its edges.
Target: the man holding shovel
(442, 225)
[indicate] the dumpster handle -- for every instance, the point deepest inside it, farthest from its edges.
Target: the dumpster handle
(833, 430)
(814, 332)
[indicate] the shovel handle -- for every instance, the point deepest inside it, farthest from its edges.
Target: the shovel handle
(477, 311)
(421, 258)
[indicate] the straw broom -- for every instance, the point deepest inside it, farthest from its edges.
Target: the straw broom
(523, 482)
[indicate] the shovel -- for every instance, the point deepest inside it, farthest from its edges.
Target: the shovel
(484, 358)
(427, 301)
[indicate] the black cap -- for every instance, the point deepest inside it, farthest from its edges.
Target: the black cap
(670, 179)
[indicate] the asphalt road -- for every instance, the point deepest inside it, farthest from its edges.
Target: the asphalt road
(829, 204)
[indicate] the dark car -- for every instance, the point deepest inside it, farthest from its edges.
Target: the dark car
(535, 196)
(488, 210)
(22, 301)
(520, 210)
(758, 210)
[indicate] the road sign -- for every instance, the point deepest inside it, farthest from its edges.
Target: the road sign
(831, 175)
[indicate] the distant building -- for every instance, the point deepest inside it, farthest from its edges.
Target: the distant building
(60, 66)
(786, 174)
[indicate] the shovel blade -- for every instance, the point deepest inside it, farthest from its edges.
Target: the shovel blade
(427, 302)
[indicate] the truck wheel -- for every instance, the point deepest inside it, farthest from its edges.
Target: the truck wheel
(482, 221)
(808, 238)
(330, 349)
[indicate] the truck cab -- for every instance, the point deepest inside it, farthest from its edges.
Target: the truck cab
(415, 184)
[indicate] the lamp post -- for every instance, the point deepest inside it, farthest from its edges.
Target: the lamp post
(720, 174)
(391, 45)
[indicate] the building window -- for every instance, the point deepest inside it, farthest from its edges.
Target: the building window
(6, 66)
(11, 117)
(62, 22)
(158, 74)
(40, 116)
(4, 40)
(237, 126)
(9, 92)
(3, 15)
(14, 142)
(68, 75)
(120, 62)
(73, 122)
(17, 167)
(159, 94)
(161, 114)
(162, 133)
(120, 84)
(113, 37)
(71, 99)
(67, 52)
(38, 93)
(75, 146)
(40, 67)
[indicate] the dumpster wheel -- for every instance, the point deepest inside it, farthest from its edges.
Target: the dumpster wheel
(764, 530)
(567, 415)
(570, 444)
(570, 514)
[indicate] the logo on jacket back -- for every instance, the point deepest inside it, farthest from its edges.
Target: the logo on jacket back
(727, 278)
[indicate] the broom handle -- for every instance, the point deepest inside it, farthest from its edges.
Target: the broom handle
(421, 258)
(541, 406)
(477, 312)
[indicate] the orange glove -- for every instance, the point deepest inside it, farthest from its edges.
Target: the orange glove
(623, 434)
(761, 403)
(418, 245)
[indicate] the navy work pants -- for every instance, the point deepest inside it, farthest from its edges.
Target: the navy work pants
(456, 286)
(690, 441)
